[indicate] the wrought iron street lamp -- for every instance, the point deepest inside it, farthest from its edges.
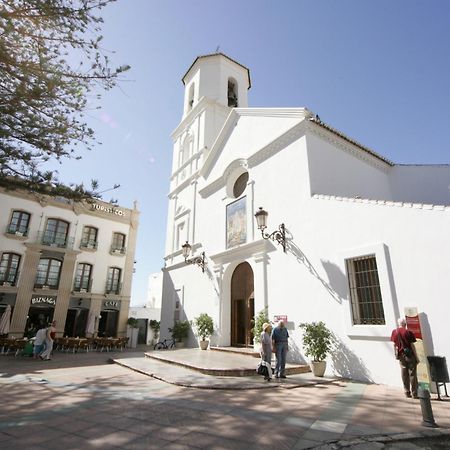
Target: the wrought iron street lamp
(278, 235)
(199, 260)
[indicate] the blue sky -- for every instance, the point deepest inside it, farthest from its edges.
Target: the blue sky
(377, 71)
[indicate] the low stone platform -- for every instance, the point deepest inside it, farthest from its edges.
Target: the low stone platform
(210, 362)
(237, 350)
(163, 368)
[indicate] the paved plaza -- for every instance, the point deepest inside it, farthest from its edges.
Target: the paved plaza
(83, 401)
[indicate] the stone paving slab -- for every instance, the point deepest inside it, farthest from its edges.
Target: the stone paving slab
(182, 376)
(80, 401)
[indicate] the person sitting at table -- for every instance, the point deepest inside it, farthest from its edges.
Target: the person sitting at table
(39, 341)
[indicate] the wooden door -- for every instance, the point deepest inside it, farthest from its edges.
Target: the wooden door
(242, 306)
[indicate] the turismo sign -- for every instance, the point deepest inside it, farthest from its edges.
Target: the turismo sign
(42, 300)
(108, 209)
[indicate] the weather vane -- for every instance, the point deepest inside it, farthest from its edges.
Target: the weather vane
(217, 49)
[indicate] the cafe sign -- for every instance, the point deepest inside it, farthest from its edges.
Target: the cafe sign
(112, 304)
(108, 209)
(43, 300)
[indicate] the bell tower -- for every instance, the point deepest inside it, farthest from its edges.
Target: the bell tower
(218, 78)
(213, 85)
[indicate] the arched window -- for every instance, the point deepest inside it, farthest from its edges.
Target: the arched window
(19, 223)
(9, 269)
(191, 96)
(232, 93)
(83, 278)
(48, 273)
(113, 284)
(55, 233)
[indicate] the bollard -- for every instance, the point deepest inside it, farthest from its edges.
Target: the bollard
(427, 412)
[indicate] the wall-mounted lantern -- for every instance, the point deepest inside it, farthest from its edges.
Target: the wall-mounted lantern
(199, 260)
(278, 235)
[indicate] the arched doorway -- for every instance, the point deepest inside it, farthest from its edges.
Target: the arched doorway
(242, 306)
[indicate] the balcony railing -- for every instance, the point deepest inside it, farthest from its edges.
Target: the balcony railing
(17, 231)
(113, 288)
(89, 243)
(82, 287)
(59, 240)
(51, 287)
(117, 250)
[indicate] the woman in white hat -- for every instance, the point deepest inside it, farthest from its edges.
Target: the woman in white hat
(266, 349)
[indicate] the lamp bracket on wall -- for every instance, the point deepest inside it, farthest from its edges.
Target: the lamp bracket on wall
(278, 235)
(198, 260)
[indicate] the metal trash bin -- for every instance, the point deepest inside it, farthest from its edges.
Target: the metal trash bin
(439, 372)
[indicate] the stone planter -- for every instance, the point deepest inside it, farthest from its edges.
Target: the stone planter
(204, 345)
(318, 368)
(179, 344)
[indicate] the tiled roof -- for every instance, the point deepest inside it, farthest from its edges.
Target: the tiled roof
(317, 121)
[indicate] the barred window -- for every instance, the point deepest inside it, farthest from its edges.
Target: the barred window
(365, 293)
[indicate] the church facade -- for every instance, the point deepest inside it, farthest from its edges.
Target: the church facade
(355, 238)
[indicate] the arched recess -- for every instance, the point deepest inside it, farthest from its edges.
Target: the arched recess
(232, 93)
(242, 306)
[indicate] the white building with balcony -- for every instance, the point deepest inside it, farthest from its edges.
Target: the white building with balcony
(63, 260)
(365, 237)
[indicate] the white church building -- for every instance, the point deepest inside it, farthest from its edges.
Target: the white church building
(365, 238)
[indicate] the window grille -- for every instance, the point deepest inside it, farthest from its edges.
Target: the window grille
(365, 293)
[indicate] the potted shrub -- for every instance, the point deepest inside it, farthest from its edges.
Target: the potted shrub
(154, 325)
(258, 321)
(317, 341)
(132, 332)
(205, 328)
(180, 331)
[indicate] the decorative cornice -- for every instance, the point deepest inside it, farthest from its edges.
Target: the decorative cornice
(187, 182)
(196, 111)
(282, 141)
(222, 180)
(231, 122)
(244, 251)
(389, 203)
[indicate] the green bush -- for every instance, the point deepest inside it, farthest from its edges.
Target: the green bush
(133, 322)
(317, 340)
(258, 321)
(204, 325)
(155, 326)
(180, 330)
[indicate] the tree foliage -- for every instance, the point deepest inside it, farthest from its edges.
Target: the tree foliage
(258, 322)
(52, 70)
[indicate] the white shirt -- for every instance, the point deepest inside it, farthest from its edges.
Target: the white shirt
(40, 336)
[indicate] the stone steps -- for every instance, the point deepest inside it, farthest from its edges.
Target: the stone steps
(217, 363)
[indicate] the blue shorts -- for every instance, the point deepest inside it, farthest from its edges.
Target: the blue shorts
(38, 349)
